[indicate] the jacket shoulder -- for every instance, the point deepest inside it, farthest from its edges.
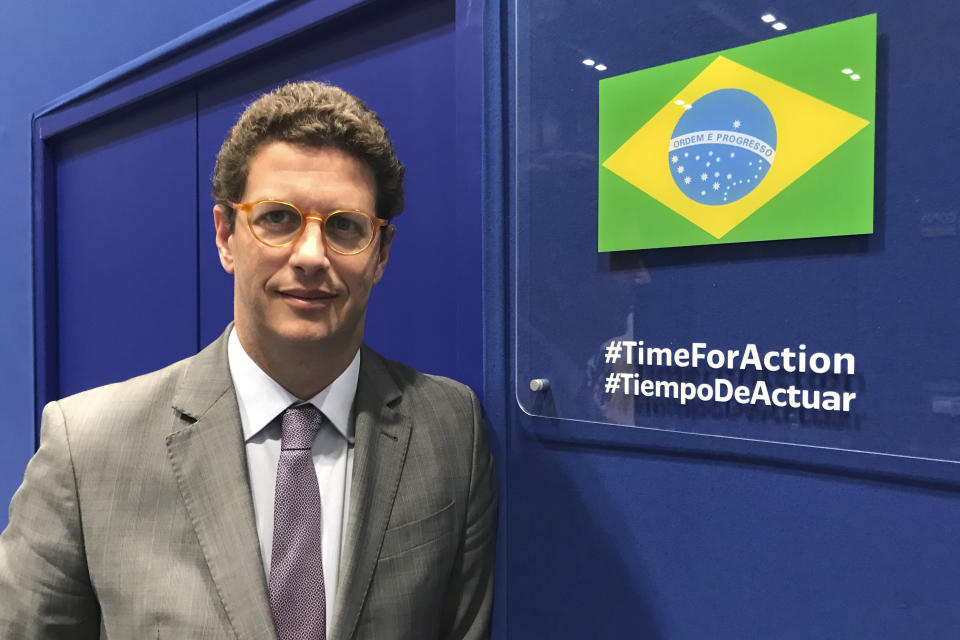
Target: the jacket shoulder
(151, 388)
(188, 386)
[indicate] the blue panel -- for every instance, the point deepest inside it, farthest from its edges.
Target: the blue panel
(879, 297)
(65, 44)
(612, 544)
(402, 64)
(628, 533)
(468, 162)
(45, 277)
(126, 218)
(171, 64)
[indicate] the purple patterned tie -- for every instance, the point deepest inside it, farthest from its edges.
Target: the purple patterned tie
(297, 597)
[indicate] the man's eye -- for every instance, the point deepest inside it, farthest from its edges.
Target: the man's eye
(342, 223)
(277, 216)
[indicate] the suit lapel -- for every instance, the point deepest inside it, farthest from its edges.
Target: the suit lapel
(206, 451)
(381, 438)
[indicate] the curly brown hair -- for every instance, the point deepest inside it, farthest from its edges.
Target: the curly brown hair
(317, 115)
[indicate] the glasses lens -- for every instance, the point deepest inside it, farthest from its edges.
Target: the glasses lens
(349, 232)
(275, 222)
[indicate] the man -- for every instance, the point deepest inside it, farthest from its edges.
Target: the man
(286, 481)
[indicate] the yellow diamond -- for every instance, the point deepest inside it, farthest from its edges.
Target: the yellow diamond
(808, 130)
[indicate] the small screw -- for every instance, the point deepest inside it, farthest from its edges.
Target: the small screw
(539, 384)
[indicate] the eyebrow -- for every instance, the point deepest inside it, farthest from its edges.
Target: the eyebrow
(305, 209)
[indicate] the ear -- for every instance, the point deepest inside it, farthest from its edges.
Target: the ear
(386, 241)
(224, 236)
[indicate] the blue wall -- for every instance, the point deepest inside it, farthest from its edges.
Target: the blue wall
(48, 48)
(645, 534)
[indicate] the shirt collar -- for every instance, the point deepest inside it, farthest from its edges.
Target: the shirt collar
(261, 398)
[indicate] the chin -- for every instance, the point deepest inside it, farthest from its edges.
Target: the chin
(307, 334)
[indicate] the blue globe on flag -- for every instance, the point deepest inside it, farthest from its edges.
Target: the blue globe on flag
(722, 147)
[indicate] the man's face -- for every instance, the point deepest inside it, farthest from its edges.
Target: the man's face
(302, 293)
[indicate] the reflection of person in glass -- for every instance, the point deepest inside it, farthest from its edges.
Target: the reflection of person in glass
(617, 408)
(287, 481)
(575, 296)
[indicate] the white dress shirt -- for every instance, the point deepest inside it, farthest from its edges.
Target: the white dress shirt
(261, 399)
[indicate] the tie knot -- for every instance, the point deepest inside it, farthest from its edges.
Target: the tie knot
(299, 424)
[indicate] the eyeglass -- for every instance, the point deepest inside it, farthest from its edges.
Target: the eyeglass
(280, 224)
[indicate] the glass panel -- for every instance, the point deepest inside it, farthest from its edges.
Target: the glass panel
(846, 339)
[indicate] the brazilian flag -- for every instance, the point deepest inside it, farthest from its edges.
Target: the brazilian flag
(766, 141)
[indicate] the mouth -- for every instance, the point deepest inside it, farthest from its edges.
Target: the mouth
(307, 298)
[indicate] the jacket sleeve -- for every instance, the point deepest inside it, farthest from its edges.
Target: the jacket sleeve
(466, 614)
(45, 587)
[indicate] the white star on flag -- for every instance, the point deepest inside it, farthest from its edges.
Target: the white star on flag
(673, 159)
(716, 186)
(680, 169)
(703, 177)
(686, 180)
(736, 124)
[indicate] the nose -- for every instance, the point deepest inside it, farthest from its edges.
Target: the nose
(308, 253)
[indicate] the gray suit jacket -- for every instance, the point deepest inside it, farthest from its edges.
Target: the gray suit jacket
(136, 511)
